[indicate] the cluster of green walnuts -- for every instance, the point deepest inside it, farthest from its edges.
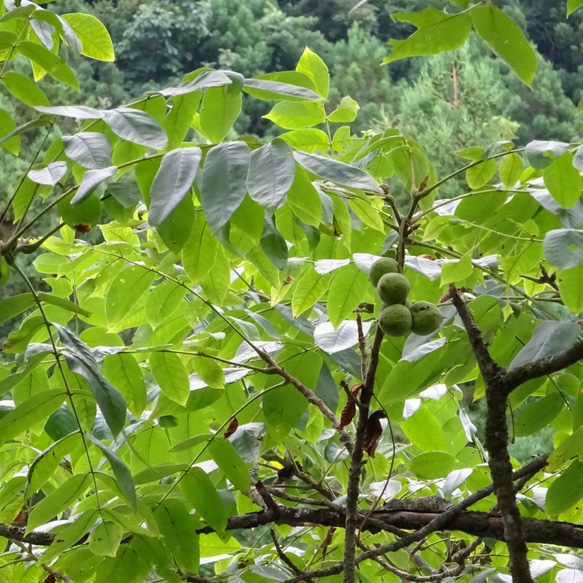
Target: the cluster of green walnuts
(398, 316)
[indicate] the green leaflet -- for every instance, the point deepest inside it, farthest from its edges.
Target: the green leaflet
(563, 180)
(291, 115)
(202, 495)
(173, 180)
(219, 109)
(47, 461)
(565, 491)
(171, 376)
(224, 182)
(95, 40)
(198, 255)
(120, 470)
(119, 300)
(271, 173)
(61, 498)
(30, 412)
(105, 539)
(436, 32)
(347, 291)
(506, 40)
(231, 464)
(80, 360)
(311, 65)
(572, 5)
(125, 374)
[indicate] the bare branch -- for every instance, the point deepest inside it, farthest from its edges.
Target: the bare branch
(361, 344)
(356, 461)
(191, 578)
(435, 576)
(43, 539)
(488, 367)
(495, 381)
(270, 503)
(543, 367)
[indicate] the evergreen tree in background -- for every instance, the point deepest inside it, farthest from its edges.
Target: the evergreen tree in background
(158, 42)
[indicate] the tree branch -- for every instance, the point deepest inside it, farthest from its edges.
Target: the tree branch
(543, 367)
(284, 558)
(310, 396)
(472, 523)
(356, 461)
(497, 443)
(476, 523)
(56, 574)
(488, 367)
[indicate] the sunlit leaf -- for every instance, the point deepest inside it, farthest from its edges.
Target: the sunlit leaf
(95, 40)
(436, 32)
(506, 40)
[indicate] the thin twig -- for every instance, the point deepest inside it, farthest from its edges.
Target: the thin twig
(56, 574)
(361, 344)
(284, 558)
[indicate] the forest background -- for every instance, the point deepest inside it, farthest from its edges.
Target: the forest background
(447, 102)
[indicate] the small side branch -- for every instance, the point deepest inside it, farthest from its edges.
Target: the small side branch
(56, 574)
(543, 367)
(310, 396)
(285, 559)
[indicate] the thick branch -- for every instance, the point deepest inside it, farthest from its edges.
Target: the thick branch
(356, 461)
(488, 367)
(472, 523)
(497, 443)
(43, 539)
(543, 367)
(439, 522)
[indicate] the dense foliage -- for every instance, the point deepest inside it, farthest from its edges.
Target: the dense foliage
(196, 386)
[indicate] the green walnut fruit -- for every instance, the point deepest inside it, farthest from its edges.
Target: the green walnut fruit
(82, 215)
(406, 303)
(395, 320)
(393, 288)
(426, 318)
(381, 267)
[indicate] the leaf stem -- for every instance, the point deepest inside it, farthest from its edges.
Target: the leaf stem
(427, 191)
(59, 364)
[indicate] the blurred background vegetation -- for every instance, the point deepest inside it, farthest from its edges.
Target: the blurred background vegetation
(447, 103)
